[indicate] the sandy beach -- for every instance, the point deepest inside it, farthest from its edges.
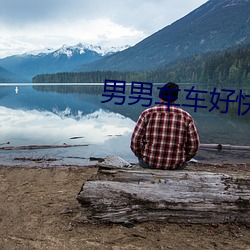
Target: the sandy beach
(39, 210)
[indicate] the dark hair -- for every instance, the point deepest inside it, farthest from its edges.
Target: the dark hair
(168, 91)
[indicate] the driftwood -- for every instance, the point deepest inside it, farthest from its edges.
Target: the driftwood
(130, 195)
(224, 147)
(37, 160)
(29, 147)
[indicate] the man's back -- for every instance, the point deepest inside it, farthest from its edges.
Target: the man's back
(165, 137)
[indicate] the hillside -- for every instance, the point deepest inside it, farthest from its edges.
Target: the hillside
(214, 26)
(63, 59)
(229, 66)
(7, 76)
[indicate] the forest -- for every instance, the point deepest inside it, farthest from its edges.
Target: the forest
(228, 66)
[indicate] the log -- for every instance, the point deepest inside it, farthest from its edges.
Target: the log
(29, 147)
(224, 147)
(134, 195)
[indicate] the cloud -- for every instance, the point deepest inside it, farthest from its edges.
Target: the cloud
(30, 24)
(141, 14)
(22, 12)
(38, 36)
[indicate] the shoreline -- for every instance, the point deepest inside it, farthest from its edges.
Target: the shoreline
(39, 210)
(53, 158)
(243, 167)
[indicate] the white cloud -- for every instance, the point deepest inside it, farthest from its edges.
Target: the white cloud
(37, 36)
(33, 24)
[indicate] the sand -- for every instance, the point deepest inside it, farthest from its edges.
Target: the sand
(38, 210)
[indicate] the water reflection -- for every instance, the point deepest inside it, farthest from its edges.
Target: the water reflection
(83, 93)
(76, 115)
(43, 127)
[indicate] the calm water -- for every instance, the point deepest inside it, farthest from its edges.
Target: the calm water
(75, 114)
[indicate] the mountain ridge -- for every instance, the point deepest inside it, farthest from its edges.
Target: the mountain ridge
(8, 77)
(228, 66)
(215, 25)
(64, 59)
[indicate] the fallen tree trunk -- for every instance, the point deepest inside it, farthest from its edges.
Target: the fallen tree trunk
(29, 147)
(224, 147)
(120, 195)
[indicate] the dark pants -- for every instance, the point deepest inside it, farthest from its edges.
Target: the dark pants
(145, 165)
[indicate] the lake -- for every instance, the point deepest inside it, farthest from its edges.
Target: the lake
(76, 114)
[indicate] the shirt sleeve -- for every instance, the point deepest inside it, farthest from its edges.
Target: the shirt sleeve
(193, 141)
(138, 136)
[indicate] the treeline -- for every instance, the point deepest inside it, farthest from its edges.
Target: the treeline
(4, 80)
(90, 77)
(229, 66)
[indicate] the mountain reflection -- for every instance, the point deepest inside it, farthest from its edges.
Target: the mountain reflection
(26, 127)
(83, 92)
(76, 114)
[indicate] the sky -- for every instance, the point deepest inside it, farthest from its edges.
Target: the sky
(33, 25)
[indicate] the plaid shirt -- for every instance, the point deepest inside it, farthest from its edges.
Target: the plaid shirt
(163, 138)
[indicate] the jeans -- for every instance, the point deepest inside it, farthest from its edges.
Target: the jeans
(145, 165)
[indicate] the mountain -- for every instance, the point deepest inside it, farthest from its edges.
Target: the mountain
(7, 76)
(228, 66)
(214, 26)
(63, 59)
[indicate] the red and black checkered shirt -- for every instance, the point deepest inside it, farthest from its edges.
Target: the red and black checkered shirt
(163, 138)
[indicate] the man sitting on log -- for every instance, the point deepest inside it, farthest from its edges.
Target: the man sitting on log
(165, 136)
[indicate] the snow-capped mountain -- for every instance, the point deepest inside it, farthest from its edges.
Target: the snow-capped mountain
(63, 59)
(81, 48)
